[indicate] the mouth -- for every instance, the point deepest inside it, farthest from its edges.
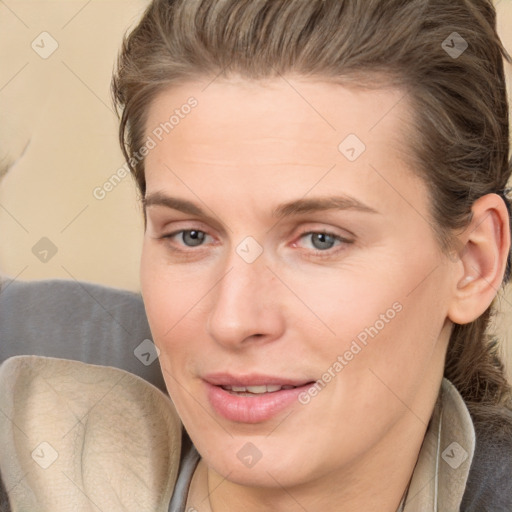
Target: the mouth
(255, 390)
(253, 399)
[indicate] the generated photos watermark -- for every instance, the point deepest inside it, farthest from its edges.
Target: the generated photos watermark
(157, 135)
(356, 346)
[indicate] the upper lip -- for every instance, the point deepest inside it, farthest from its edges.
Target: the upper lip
(254, 379)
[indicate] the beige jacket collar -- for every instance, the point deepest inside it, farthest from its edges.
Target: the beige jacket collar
(81, 437)
(442, 470)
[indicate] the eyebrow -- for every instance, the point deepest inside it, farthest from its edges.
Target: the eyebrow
(296, 207)
(301, 206)
(182, 205)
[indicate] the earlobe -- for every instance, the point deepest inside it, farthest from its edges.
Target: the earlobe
(486, 244)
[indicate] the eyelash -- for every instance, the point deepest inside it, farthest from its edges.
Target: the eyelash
(315, 252)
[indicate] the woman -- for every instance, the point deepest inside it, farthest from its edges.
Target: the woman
(327, 226)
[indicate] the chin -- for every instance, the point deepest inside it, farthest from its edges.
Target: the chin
(253, 467)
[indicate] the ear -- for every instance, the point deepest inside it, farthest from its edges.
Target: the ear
(485, 245)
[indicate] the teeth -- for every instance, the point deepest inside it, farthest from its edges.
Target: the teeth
(257, 390)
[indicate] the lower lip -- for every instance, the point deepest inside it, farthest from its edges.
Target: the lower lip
(252, 409)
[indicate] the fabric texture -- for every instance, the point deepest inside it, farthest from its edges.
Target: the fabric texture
(445, 458)
(75, 320)
(81, 437)
(489, 487)
(189, 460)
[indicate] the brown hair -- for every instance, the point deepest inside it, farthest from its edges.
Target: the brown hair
(460, 141)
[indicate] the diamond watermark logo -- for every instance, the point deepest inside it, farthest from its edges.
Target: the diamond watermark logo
(44, 455)
(351, 147)
(44, 45)
(249, 455)
(454, 455)
(147, 352)
(454, 45)
(249, 249)
(44, 250)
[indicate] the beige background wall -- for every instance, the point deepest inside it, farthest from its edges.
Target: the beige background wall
(58, 110)
(58, 134)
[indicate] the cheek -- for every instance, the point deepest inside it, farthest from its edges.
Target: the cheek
(385, 317)
(174, 298)
(170, 292)
(378, 361)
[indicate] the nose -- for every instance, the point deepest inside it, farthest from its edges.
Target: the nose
(246, 306)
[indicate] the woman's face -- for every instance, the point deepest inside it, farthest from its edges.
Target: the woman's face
(289, 243)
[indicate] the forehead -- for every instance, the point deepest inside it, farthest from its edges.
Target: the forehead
(284, 135)
(311, 118)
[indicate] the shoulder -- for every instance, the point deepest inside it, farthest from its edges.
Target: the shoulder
(75, 320)
(66, 300)
(115, 433)
(489, 485)
(59, 293)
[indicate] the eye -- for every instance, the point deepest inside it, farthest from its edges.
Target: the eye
(189, 237)
(321, 241)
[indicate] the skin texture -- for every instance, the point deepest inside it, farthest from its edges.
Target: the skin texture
(245, 149)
